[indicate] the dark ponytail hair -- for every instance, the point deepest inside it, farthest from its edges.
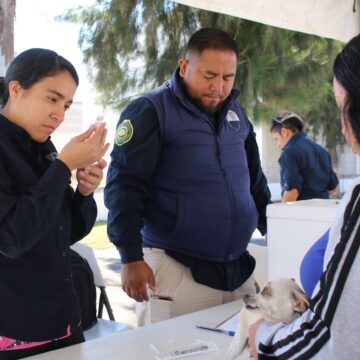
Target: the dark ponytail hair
(347, 73)
(31, 66)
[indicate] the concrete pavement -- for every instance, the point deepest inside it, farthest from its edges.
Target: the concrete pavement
(123, 307)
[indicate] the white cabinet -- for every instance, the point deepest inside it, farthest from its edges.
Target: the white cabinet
(292, 229)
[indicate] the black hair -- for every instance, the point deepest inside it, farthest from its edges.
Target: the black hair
(31, 66)
(287, 120)
(347, 73)
(211, 38)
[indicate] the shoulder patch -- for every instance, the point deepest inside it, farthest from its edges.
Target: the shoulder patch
(124, 132)
(233, 120)
(232, 116)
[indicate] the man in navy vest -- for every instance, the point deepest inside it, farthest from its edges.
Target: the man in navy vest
(185, 188)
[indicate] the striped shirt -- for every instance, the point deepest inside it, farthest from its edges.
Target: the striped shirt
(330, 328)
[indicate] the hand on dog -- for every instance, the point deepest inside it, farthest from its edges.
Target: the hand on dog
(252, 336)
(280, 300)
(136, 277)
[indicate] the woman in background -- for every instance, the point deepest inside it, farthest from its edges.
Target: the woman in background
(330, 328)
(40, 214)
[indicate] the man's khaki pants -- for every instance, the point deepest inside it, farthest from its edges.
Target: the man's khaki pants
(177, 293)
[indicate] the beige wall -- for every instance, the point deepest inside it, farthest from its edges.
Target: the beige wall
(270, 155)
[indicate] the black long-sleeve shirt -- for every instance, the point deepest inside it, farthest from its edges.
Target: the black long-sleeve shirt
(40, 216)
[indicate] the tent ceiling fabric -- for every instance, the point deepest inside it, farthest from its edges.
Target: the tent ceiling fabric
(335, 19)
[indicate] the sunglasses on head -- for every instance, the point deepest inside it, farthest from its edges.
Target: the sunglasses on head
(278, 120)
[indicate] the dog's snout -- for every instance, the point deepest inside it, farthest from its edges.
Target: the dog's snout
(247, 296)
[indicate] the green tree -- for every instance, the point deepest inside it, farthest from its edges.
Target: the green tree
(132, 46)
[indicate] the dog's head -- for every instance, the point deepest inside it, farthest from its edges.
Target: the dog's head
(281, 300)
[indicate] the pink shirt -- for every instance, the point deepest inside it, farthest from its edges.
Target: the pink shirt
(7, 344)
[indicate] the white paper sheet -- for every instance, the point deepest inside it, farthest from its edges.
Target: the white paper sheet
(229, 324)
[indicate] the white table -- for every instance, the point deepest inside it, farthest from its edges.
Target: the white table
(165, 335)
(292, 229)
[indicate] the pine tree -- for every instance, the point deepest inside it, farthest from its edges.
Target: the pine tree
(7, 16)
(132, 46)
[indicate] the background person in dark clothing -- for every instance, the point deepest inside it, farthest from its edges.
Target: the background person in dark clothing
(305, 167)
(40, 214)
(185, 188)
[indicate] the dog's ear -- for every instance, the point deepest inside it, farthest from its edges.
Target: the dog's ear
(301, 301)
(254, 291)
(301, 306)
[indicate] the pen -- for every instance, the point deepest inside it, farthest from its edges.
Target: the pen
(227, 332)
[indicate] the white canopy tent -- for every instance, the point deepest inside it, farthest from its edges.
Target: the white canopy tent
(335, 19)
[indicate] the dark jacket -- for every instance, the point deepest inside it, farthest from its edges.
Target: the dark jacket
(211, 165)
(306, 166)
(40, 216)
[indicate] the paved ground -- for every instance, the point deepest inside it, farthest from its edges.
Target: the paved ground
(122, 305)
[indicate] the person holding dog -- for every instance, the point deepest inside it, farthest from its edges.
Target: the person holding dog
(329, 328)
(185, 188)
(305, 166)
(40, 214)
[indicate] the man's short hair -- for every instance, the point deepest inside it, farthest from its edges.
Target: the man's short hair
(287, 120)
(211, 38)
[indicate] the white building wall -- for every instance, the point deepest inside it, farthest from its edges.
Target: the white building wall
(76, 121)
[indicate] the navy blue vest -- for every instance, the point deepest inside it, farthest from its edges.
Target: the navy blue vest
(201, 203)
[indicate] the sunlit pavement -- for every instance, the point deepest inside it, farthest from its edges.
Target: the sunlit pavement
(122, 306)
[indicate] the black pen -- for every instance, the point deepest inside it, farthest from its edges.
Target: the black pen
(227, 332)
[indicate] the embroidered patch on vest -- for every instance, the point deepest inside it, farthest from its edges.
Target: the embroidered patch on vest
(233, 120)
(124, 132)
(232, 116)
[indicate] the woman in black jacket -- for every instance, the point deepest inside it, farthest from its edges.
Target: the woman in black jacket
(40, 213)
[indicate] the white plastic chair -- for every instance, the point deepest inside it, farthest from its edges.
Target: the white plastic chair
(88, 253)
(103, 327)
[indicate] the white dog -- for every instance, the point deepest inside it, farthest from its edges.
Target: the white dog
(280, 301)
